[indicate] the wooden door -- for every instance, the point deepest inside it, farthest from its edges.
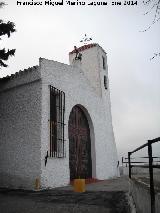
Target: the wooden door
(79, 145)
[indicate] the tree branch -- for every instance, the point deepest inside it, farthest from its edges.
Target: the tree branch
(156, 7)
(4, 55)
(155, 55)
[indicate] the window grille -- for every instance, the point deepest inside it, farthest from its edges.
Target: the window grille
(57, 110)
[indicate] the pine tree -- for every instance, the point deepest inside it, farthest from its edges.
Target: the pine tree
(6, 28)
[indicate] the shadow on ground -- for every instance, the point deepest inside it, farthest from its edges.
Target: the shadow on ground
(63, 201)
(13, 201)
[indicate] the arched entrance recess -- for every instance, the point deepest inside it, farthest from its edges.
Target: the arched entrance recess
(80, 162)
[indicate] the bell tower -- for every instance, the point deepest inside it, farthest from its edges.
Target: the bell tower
(93, 62)
(93, 65)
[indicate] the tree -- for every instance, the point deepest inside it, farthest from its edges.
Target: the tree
(6, 28)
(154, 6)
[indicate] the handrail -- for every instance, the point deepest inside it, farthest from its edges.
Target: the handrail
(150, 166)
(139, 148)
(154, 140)
(146, 144)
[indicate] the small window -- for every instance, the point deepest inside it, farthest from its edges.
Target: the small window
(105, 82)
(57, 109)
(104, 62)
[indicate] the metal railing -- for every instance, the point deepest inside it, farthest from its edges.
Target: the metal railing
(150, 165)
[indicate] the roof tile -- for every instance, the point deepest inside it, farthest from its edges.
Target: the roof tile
(84, 47)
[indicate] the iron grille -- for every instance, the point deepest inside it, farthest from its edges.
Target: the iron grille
(57, 110)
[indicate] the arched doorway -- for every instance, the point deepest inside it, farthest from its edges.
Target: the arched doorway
(79, 145)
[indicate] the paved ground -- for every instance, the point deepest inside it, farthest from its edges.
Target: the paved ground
(118, 184)
(107, 196)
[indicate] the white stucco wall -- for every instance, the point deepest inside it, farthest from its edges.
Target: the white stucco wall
(90, 64)
(78, 90)
(20, 117)
(24, 122)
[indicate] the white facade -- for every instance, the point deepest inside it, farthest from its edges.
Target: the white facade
(25, 114)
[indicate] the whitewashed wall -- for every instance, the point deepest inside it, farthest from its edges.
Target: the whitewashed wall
(20, 117)
(24, 122)
(78, 90)
(90, 64)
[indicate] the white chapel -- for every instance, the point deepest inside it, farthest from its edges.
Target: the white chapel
(56, 123)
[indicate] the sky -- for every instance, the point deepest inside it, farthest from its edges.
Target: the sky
(52, 31)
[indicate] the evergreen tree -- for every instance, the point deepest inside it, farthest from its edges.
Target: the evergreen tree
(6, 28)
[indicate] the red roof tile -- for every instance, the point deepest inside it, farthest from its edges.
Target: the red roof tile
(84, 47)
